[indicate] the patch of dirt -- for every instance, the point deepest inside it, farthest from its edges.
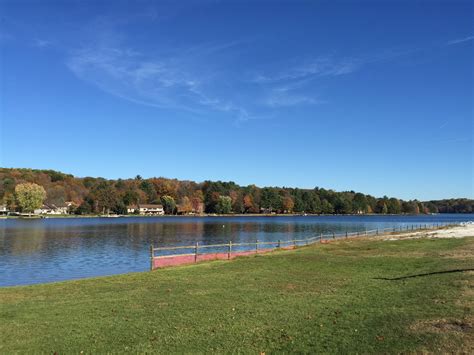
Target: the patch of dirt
(444, 326)
(453, 326)
(459, 254)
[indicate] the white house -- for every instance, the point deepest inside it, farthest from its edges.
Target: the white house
(146, 209)
(51, 209)
(3, 209)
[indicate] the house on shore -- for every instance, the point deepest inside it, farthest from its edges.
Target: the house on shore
(146, 209)
(3, 210)
(52, 209)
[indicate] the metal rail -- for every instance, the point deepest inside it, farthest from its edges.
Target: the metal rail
(230, 246)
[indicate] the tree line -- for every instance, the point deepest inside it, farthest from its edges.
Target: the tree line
(91, 195)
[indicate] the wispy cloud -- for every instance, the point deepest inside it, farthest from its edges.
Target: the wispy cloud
(444, 124)
(284, 96)
(460, 40)
(455, 140)
(158, 82)
(192, 78)
(178, 77)
(42, 43)
(318, 67)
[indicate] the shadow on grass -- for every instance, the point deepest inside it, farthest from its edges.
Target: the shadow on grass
(421, 275)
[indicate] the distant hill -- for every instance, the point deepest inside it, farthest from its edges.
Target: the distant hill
(91, 195)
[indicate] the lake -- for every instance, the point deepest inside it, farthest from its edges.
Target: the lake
(54, 249)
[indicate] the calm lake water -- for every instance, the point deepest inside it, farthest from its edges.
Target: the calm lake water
(47, 250)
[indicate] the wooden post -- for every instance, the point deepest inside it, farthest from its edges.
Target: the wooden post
(230, 250)
(152, 256)
(357, 233)
(377, 232)
(279, 244)
(294, 243)
(256, 246)
(196, 252)
(320, 237)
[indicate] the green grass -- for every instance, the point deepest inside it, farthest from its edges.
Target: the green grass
(322, 298)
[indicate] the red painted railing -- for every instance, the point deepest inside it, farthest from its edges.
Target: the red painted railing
(196, 253)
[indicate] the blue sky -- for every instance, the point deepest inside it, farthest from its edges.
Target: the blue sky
(368, 96)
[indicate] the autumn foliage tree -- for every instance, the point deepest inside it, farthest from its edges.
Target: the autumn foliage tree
(249, 206)
(30, 196)
(185, 205)
(93, 195)
(287, 204)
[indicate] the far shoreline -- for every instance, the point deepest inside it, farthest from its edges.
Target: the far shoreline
(34, 217)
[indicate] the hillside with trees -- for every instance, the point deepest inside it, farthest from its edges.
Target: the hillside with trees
(89, 195)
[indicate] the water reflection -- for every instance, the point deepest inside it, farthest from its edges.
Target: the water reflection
(33, 251)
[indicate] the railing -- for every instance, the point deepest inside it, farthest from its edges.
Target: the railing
(197, 252)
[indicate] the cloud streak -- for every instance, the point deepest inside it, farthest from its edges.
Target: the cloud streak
(285, 96)
(319, 67)
(157, 82)
(41, 43)
(191, 78)
(460, 40)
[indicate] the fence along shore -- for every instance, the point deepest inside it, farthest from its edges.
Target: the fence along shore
(190, 254)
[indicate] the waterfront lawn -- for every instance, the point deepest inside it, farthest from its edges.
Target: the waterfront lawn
(322, 298)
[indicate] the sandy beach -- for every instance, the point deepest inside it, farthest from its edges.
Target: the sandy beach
(462, 231)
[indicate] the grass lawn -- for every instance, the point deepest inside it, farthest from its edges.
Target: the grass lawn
(322, 298)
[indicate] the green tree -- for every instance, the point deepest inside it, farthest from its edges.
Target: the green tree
(169, 204)
(10, 201)
(224, 205)
(393, 206)
(84, 208)
(270, 199)
(422, 208)
(148, 188)
(298, 200)
(131, 197)
(342, 205)
(212, 191)
(381, 207)
(359, 203)
(410, 207)
(327, 207)
(29, 196)
(312, 202)
(120, 208)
